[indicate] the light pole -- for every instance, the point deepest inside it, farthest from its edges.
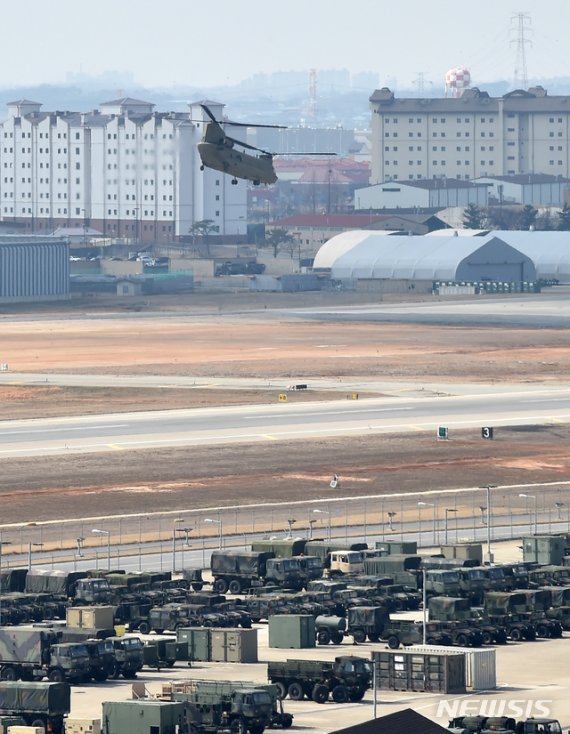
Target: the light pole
(291, 521)
(30, 546)
(97, 531)
(312, 521)
(2, 544)
(533, 497)
(488, 488)
(391, 516)
(329, 513)
(220, 523)
(447, 511)
(431, 504)
(174, 523)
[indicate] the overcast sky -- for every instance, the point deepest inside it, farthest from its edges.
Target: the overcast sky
(200, 43)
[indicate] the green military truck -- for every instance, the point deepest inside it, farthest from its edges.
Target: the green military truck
(242, 705)
(41, 705)
(503, 725)
(471, 627)
(236, 571)
(363, 622)
(32, 654)
(398, 632)
(346, 678)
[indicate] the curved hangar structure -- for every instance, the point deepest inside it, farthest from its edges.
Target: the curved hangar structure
(367, 255)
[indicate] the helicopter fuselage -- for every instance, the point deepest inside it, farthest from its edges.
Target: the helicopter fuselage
(227, 159)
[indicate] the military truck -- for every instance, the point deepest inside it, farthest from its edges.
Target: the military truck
(240, 701)
(443, 582)
(510, 612)
(75, 585)
(363, 622)
(160, 652)
(281, 548)
(392, 565)
(559, 604)
(503, 725)
(345, 679)
(236, 571)
(528, 604)
(453, 617)
(339, 559)
(311, 568)
(102, 658)
(32, 654)
(330, 628)
(41, 705)
(398, 632)
(128, 656)
(446, 609)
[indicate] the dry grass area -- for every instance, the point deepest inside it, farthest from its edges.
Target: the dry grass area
(244, 343)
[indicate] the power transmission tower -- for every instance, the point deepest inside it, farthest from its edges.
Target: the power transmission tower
(420, 83)
(520, 28)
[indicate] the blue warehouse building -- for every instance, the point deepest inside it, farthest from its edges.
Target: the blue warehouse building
(33, 268)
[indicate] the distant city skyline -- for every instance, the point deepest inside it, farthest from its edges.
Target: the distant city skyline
(185, 43)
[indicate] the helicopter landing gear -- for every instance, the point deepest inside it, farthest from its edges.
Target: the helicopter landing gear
(256, 182)
(201, 168)
(234, 181)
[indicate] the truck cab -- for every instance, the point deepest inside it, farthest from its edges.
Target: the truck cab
(345, 562)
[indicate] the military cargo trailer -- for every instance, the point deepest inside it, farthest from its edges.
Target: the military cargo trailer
(236, 571)
(39, 704)
(32, 653)
(347, 678)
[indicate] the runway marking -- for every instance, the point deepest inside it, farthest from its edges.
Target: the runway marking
(356, 412)
(61, 429)
(270, 437)
(116, 446)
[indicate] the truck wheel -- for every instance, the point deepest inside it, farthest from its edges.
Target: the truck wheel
(144, 628)
(38, 724)
(359, 636)
(295, 691)
(487, 638)
(542, 631)
(238, 726)
(320, 693)
(197, 587)
(462, 640)
(393, 642)
(113, 672)
(323, 637)
(220, 586)
(286, 721)
(516, 634)
(357, 694)
(530, 634)
(374, 638)
(281, 690)
(234, 586)
(340, 694)
(56, 676)
(256, 729)
(337, 637)
(9, 673)
(100, 676)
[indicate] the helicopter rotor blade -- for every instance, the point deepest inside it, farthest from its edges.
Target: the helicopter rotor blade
(253, 124)
(247, 145)
(209, 112)
(307, 154)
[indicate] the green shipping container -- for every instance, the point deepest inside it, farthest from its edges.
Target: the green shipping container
(198, 641)
(407, 547)
(292, 631)
(142, 717)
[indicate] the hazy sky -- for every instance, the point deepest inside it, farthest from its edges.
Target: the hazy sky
(220, 42)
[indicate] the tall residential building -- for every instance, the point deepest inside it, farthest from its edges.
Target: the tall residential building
(123, 170)
(470, 136)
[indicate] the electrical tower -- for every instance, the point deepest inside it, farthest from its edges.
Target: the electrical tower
(521, 29)
(420, 83)
(312, 95)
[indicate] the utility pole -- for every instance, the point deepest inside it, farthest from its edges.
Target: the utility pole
(520, 27)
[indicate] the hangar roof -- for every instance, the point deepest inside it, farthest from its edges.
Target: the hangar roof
(374, 254)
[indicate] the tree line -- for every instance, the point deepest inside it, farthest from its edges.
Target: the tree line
(516, 217)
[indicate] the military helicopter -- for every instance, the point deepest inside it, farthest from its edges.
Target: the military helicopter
(217, 151)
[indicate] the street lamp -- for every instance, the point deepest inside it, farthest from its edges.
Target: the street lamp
(533, 497)
(220, 523)
(447, 511)
(291, 521)
(97, 531)
(177, 520)
(2, 544)
(329, 513)
(431, 504)
(312, 521)
(30, 546)
(488, 488)
(391, 516)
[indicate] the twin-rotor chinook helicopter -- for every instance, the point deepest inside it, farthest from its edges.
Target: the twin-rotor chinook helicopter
(217, 150)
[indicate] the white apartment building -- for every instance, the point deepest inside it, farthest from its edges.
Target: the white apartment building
(123, 170)
(470, 136)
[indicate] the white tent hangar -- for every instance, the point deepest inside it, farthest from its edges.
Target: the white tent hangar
(370, 255)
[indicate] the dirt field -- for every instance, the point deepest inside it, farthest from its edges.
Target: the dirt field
(239, 343)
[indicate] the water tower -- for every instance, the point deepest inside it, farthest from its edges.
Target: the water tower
(457, 80)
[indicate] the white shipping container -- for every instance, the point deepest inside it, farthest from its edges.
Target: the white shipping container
(480, 664)
(83, 726)
(19, 729)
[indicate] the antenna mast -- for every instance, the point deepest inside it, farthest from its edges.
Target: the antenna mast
(520, 27)
(313, 95)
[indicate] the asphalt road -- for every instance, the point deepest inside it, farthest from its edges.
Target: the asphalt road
(239, 424)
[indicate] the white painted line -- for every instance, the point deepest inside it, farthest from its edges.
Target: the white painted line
(60, 429)
(356, 412)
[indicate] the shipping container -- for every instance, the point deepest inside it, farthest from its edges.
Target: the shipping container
(464, 551)
(293, 631)
(234, 645)
(480, 664)
(402, 670)
(405, 547)
(101, 617)
(82, 726)
(142, 717)
(199, 642)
